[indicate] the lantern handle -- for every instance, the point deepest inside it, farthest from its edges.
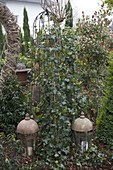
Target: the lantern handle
(27, 117)
(82, 115)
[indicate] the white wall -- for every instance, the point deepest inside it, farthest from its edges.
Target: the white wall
(88, 6)
(33, 9)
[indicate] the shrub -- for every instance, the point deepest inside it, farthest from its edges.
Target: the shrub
(93, 43)
(10, 152)
(105, 119)
(26, 26)
(69, 14)
(13, 104)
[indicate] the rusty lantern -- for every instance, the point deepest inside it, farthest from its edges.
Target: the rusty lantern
(83, 130)
(22, 73)
(27, 131)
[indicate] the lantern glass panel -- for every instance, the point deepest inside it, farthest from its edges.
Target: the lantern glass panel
(29, 147)
(83, 140)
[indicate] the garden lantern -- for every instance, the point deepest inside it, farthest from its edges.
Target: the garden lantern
(22, 73)
(27, 131)
(83, 129)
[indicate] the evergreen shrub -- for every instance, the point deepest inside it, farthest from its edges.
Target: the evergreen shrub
(13, 104)
(105, 119)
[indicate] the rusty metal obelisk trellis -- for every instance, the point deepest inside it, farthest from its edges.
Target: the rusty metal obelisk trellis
(8, 20)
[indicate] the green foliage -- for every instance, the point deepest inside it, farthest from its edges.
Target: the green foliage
(11, 157)
(105, 118)
(25, 37)
(10, 152)
(13, 104)
(26, 26)
(69, 15)
(58, 73)
(54, 140)
(93, 45)
(2, 61)
(61, 98)
(69, 67)
(70, 73)
(109, 3)
(25, 56)
(92, 158)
